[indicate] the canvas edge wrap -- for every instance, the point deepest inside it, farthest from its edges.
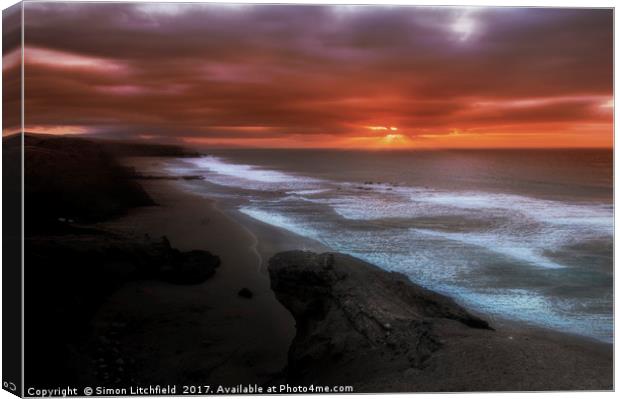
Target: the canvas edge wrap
(12, 193)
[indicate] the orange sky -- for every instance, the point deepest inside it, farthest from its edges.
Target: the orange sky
(317, 76)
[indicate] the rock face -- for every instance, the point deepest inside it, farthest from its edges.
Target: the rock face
(73, 274)
(344, 306)
(362, 326)
(74, 178)
(71, 265)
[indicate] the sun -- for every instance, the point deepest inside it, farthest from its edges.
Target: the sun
(393, 139)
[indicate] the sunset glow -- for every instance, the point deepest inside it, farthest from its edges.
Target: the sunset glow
(316, 76)
(395, 139)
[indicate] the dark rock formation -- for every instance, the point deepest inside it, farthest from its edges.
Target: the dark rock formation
(245, 293)
(80, 179)
(193, 267)
(123, 148)
(73, 178)
(71, 275)
(71, 265)
(343, 305)
(375, 330)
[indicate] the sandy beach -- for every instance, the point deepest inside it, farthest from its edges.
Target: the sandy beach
(247, 340)
(241, 340)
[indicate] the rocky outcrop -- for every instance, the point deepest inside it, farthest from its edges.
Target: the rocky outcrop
(359, 325)
(344, 306)
(75, 179)
(72, 266)
(173, 266)
(74, 274)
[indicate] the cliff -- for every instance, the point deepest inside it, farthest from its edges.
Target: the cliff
(375, 330)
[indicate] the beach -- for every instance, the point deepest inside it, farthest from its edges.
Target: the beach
(176, 285)
(217, 333)
(244, 340)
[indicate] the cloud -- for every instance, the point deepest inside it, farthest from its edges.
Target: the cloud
(269, 71)
(11, 70)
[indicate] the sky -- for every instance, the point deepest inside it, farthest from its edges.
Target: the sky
(319, 76)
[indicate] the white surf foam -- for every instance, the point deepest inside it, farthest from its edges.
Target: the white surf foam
(221, 172)
(308, 192)
(442, 266)
(520, 250)
(415, 202)
(548, 211)
(248, 172)
(282, 221)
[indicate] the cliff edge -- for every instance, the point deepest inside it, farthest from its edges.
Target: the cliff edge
(375, 330)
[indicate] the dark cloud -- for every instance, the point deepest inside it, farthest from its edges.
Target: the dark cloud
(234, 71)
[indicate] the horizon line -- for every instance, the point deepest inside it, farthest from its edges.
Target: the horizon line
(402, 149)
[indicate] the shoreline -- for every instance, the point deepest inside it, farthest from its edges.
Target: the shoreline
(380, 332)
(182, 288)
(243, 340)
(264, 235)
(270, 240)
(195, 221)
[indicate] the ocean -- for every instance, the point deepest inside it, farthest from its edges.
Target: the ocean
(523, 235)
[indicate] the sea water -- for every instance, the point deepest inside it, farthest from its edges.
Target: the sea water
(519, 234)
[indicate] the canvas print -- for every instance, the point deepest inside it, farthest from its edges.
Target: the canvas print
(269, 198)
